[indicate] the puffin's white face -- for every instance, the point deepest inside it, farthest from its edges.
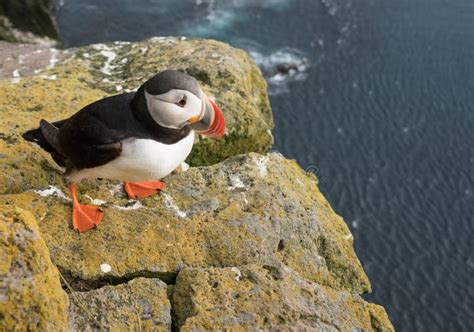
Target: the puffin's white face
(175, 108)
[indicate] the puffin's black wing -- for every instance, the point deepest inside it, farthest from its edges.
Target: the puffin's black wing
(92, 137)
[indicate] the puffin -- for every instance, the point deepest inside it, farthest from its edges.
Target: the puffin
(138, 138)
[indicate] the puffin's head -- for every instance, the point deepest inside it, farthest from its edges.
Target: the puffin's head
(175, 100)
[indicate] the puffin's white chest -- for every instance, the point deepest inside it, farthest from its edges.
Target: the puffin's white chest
(142, 160)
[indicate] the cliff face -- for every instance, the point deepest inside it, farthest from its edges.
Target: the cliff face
(248, 242)
(29, 21)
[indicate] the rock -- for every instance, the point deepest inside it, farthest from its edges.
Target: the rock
(139, 305)
(28, 21)
(19, 60)
(255, 214)
(81, 76)
(267, 298)
(31, 297)
(250, 209)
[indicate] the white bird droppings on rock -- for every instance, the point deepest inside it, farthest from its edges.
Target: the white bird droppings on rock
(16, 76)
(54, 57)
(107, 67)
(236, 182)
(262, 166)
(116, 190)
(51, 78)
(170, 204)
(109, 55)
(52, 191)
(237, 272)
(135, 206)
(106, 268)
(244, 198)
(96, 201)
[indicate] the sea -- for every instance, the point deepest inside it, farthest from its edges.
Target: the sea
(376, 97)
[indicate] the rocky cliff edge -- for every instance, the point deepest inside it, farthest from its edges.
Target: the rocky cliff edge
(241, 241)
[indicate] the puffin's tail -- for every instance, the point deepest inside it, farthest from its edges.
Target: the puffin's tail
(46, 137)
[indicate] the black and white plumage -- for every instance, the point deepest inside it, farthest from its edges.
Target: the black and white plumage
(133, 137)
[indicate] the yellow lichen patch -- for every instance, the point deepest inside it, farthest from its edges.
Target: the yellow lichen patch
(22, 105)
(31, 297)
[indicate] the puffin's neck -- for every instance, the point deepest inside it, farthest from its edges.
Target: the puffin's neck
(158, 132)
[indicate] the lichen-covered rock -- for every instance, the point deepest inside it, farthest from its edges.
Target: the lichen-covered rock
(28, 21)
(266, 298)
(31, 298)
(140, 305)
(75, 78)
(258, 213)
(260, 209)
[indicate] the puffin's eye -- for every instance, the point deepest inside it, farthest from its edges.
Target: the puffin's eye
(182, 102)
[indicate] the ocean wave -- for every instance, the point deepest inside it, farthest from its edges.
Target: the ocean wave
(281, 67)
(215, 19)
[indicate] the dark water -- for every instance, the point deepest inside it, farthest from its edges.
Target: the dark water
(380, 106)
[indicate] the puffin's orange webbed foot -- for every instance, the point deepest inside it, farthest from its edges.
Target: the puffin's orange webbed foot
(84, 217)
(143, 189)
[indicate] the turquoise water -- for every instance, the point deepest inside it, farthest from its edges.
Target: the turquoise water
(380, 105)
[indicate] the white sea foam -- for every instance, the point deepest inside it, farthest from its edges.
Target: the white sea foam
(280, 67)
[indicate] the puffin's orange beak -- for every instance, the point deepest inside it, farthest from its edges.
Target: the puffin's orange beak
(211, 120)
(217, 127)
